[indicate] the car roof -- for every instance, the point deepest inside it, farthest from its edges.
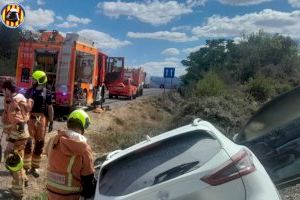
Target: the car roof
(197, 124)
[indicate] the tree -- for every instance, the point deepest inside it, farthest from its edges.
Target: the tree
(9, 42)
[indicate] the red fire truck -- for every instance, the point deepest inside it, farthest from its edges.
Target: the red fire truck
(124, 82)
(74, 66)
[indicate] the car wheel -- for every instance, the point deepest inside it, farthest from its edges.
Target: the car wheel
(110, 96)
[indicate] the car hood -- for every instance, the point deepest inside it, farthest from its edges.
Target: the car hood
(274, 114)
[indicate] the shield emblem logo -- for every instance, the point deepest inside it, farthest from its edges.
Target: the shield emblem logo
(12, 15)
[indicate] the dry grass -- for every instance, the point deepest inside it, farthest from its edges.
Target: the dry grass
(128, 125)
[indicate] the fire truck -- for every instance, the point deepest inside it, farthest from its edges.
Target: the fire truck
(74, 66)
(124, 82)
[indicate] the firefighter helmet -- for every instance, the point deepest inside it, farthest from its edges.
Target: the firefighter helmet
(82, 116)
(13, 15)
(14, 162)
(40, 77)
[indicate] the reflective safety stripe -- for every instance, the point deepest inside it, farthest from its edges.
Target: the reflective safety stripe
(55, 183)
(69, 170)
(63, 187)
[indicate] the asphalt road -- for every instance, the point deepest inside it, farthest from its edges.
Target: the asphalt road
(121, 100)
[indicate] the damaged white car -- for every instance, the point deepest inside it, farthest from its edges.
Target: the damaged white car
(194, 162)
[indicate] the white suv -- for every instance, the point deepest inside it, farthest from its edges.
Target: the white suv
(194, 162)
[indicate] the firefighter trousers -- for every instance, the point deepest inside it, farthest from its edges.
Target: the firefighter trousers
(37, 126)
(19, 178)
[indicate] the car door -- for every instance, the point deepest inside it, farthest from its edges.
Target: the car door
(273, 134)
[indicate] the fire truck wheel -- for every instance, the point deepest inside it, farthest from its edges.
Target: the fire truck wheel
(117, 96)
(110, 96)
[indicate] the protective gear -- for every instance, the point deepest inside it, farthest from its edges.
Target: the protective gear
(50, 128)
(14, 162)
(37, 129)
(69, 160)
(16, 117)
(14, 157)
(34, 172)
(82, 116)
(40, 77)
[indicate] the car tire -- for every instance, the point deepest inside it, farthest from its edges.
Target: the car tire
(110, 96)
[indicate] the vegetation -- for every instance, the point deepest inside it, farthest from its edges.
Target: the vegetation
(9, 40)
(230, 80)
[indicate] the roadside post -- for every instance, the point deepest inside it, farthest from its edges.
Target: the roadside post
(169, 72)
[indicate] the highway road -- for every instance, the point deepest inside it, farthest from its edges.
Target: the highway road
(121, 100)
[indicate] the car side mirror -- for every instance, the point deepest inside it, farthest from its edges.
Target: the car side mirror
(235, 137)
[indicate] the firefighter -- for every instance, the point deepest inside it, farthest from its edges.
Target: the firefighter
(70, 173)
(42, 113)
(15, 117)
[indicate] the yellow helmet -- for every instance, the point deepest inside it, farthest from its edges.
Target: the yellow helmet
(40, 77)
(14, 162)
(82, 116)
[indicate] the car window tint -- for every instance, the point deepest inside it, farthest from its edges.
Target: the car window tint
(157, 163)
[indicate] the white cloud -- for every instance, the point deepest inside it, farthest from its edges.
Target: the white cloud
(243, 2)
(156, 68)
(40, 18)
(163, 35)
(103, 40)
(75, 19)
(295, 3)
(59, 18)
(172, 59)
(40, 2)
(193, 3)
(181, 28)
(67, 25)
(193, 49)
(170, 52)
(272, 21)
(155, 12)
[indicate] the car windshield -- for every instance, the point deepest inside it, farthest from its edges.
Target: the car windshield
(274, 115)
(157, 163)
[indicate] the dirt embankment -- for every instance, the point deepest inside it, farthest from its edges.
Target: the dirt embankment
(111, 130)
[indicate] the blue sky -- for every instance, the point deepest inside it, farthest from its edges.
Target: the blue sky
(160, 33)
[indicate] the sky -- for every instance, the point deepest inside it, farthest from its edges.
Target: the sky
(154, 34)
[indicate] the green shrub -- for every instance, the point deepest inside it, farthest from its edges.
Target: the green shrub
(210, 85)
(261, 88)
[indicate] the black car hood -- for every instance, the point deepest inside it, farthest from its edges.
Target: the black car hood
(274, 114)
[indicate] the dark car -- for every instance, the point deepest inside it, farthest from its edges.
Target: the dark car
(273, 134)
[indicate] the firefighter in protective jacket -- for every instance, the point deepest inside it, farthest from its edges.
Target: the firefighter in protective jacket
(70, 172)
(14, 118)
(41, 114)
